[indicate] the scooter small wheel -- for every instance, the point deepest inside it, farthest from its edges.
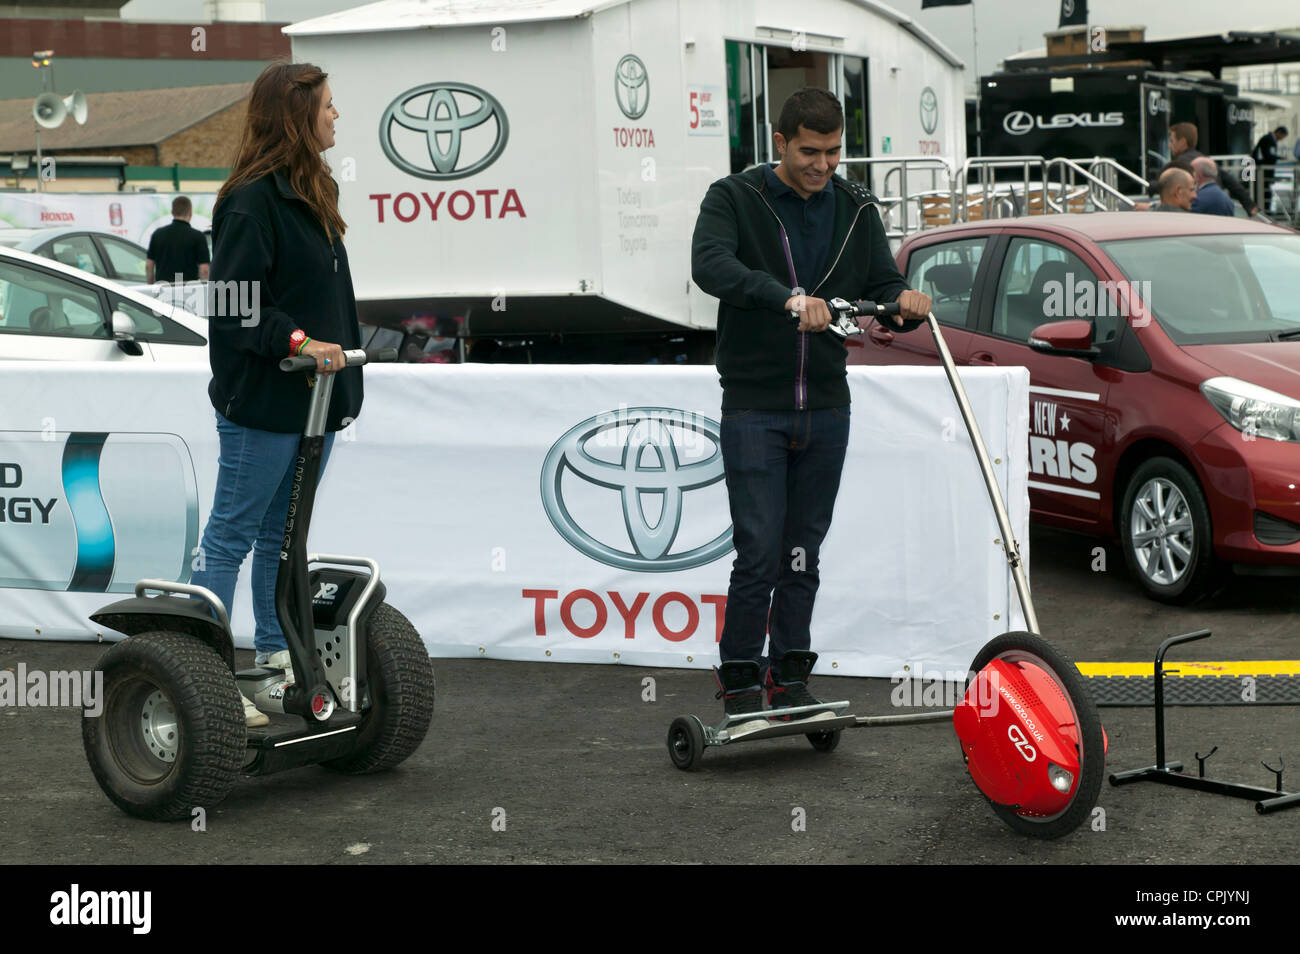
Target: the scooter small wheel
(824, 741)
(686, 742)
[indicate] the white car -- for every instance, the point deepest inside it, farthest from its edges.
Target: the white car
(52, 311)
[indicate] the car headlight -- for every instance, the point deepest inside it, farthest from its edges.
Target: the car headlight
(1254, 410)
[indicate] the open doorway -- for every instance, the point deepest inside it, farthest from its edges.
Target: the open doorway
(761, 78)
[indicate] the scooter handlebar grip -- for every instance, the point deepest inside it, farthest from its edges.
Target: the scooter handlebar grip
(300, 362)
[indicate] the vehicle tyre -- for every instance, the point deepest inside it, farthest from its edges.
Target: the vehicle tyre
(171, 735)
(686, 743)
(1030, 649)
(400, 675)
(824, 741)
(1166, 533)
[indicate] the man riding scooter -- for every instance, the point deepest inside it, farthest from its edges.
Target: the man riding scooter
(769, 242)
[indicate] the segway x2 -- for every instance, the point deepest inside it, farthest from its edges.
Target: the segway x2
(1028, 728)
(172, 737)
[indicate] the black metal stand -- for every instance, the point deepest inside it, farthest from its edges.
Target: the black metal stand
(1266, 800)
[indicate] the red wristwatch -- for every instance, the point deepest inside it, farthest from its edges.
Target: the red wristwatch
(296, 340)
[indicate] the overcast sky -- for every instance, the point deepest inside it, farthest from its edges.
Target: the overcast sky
(1002, 27)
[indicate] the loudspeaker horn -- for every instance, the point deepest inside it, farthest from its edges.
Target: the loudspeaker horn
(49, 110)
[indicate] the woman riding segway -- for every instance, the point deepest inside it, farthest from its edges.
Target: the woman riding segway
(278, 254)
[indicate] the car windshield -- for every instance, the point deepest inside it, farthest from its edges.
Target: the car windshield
(1217, 289)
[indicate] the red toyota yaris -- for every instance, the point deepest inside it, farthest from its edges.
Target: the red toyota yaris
(1164, 360)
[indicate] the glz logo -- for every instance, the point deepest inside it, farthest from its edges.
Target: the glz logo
(327, 591)
(1021, 743)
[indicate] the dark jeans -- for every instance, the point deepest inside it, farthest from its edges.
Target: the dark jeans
(254, 478)
(783, 472)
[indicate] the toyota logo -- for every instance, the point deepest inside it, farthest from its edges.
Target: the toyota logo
(446, 115)
(1018, 122)
(929, 111)
(632, 86)
(647, 452)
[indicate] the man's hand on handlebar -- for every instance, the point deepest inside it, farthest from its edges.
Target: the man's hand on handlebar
(813, 313)
(329, 357)
(912, 304)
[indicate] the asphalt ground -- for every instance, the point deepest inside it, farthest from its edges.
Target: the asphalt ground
(561, 763)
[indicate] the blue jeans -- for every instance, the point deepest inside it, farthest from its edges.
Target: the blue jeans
(254, 477)
(783, 474)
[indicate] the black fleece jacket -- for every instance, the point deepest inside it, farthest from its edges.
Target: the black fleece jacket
(264, 233)
(738, 256)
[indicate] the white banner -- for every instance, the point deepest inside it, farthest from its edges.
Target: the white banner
(132, 215)
(569, 514)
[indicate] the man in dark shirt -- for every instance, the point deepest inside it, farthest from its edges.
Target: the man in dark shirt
(769, 242)
(1265, 154)
(178, 252)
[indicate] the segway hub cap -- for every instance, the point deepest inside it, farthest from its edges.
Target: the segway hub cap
(1018, 733)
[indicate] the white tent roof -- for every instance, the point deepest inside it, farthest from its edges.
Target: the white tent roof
(415, 14)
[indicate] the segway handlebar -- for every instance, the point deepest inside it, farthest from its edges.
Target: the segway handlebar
(351, 359)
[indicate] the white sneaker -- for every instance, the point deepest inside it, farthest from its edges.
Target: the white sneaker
(253, 718)
(280, 660)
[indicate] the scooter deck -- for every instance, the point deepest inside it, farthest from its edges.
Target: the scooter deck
(725, 732)
(281, 746)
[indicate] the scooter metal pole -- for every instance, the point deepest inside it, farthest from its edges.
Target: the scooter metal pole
(1009, 545)
(846, 324)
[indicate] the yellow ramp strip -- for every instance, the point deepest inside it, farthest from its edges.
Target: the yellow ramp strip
(1236, 667)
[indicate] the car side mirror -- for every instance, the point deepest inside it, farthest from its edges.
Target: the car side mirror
(1071, 338)
(124, 334)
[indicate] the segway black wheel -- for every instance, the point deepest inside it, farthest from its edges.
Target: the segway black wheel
(1032, 649)
(400, 674)
(824, 741)
(171, 736)
(686, 743)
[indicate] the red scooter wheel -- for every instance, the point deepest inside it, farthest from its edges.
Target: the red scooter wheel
(1056, 712)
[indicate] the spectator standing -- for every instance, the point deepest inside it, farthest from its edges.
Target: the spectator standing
(178, 252)
(1210, 197)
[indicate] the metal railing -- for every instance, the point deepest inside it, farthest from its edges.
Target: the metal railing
(904, 211)
(994, 187)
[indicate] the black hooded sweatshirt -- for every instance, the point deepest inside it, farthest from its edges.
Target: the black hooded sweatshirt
(264, 232)
(738, 256)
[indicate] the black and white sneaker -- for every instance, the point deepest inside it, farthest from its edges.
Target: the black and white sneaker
(787, 686)
(741, 692)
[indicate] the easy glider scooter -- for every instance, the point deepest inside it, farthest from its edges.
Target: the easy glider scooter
(1028, 727)
(172, 737)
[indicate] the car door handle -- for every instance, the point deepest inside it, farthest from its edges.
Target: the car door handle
(982, 357)
(880, 335)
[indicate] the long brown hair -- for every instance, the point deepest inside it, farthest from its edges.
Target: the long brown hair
(280, 133)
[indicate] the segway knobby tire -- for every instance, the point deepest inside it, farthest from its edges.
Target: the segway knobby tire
(171, 736)
(1032, 648)
(401, 695)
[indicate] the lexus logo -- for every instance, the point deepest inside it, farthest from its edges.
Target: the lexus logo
(630, 455)
(929, 111)
(1067, 8)
(632, 86)
(448, 117)
(1156, 103)
(1018, 122)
